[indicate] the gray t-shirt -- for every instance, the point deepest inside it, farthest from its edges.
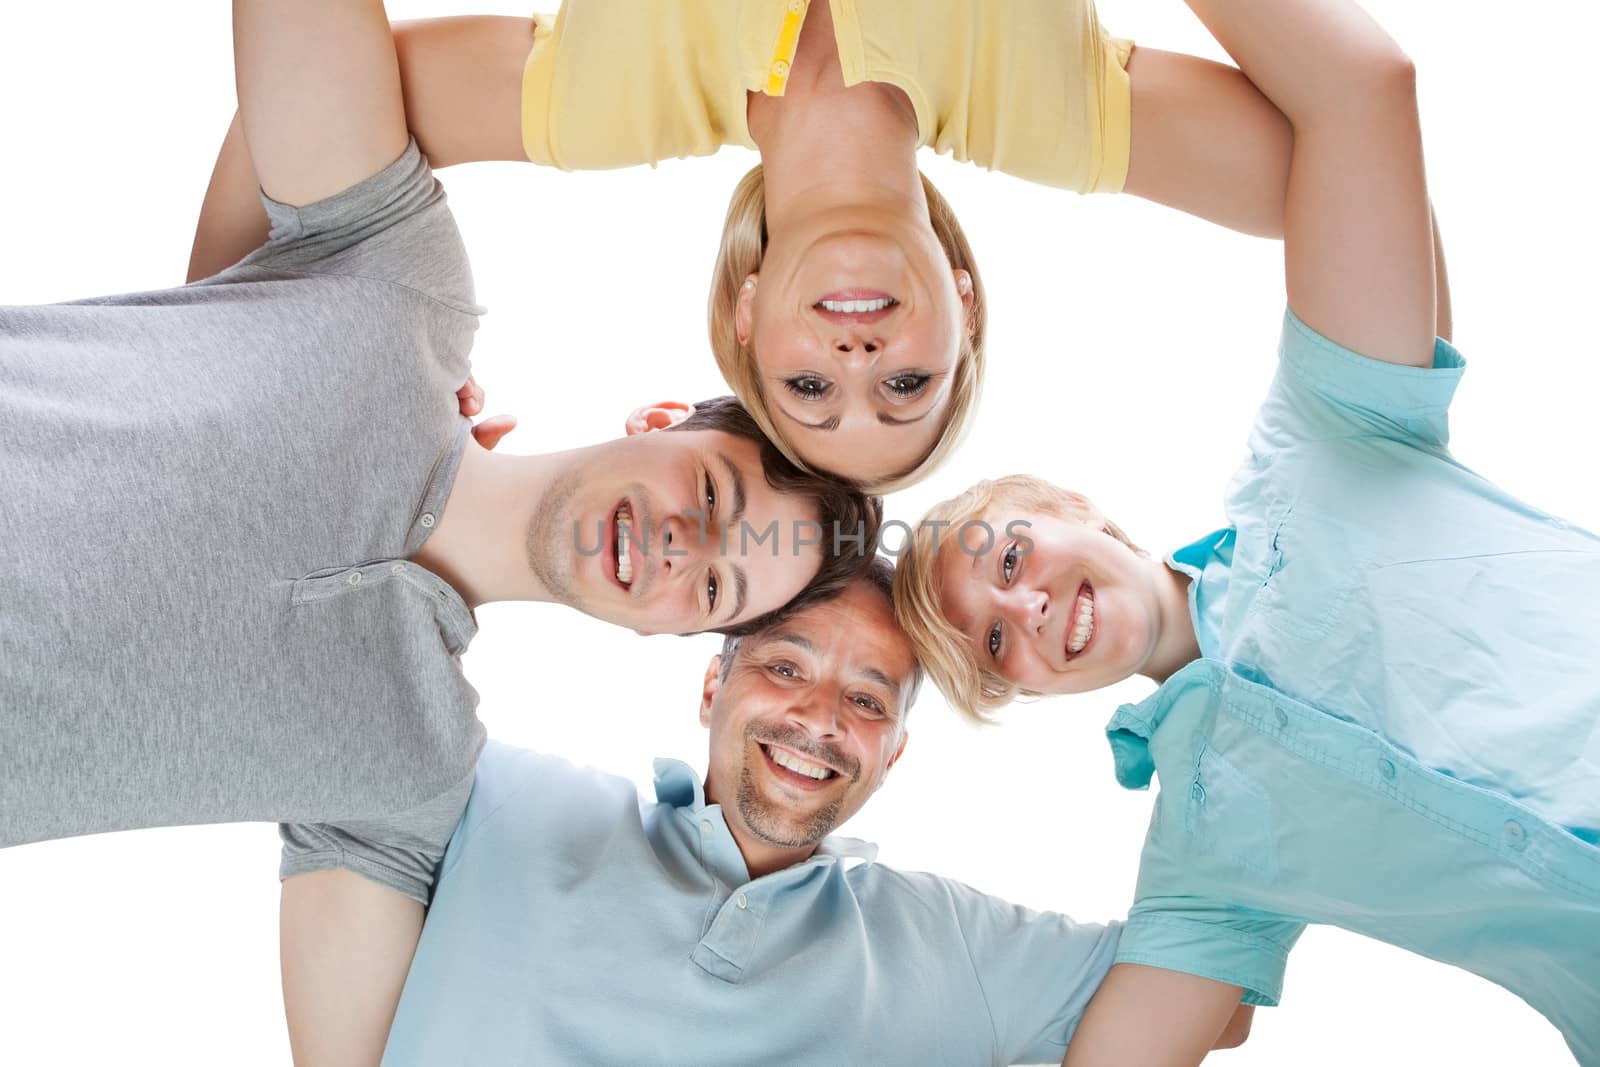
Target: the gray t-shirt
(208, 497)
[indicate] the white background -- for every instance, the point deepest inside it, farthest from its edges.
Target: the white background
(1130, 346)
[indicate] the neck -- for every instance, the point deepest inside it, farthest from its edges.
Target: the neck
(868, 132)
(761, 858)
(480, 543)
(1177, 644)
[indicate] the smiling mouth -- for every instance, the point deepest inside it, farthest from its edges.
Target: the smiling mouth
(622, 527)
(858, 308)
(795, 769)
(1081, 632)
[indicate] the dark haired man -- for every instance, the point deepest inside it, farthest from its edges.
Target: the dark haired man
(222, 602)
(717, 923)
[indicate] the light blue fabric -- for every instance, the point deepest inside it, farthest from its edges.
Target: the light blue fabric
(574, 922)
(1395, 725)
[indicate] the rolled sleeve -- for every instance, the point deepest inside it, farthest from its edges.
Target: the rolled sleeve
(1396, 401)
(1212, 941)
(401, 852)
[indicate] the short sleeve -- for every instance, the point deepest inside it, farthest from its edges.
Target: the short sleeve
(1324, 389)
(400, 852)
(1038, 971)
(394, 227)
(1211, 940)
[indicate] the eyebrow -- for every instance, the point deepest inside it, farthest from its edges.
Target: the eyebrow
(737, 477)
(741, 580)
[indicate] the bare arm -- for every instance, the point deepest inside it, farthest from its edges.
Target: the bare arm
(1205, 141)
(319, 94)
(461, 80)
(1358, 239)
(345, 945)
(1157, 1018)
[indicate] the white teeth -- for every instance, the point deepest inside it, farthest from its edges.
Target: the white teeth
(624, 530)
(851, 307)
(1083, 629)
(798, 765)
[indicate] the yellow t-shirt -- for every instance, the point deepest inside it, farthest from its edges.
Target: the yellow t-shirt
(1034, 88)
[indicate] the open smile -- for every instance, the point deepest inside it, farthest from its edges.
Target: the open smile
(793, 769)
(620, 559)
(1081, 625)
(856, 307)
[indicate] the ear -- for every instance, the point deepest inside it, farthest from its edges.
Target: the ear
(965, 291)
(905, 735)
(744, 310)
(710, 686)
(657, 416)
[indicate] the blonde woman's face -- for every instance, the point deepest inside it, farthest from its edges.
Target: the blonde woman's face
(856, 332)
(1051, 604)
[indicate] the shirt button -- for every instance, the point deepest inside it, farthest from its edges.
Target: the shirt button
(742, 902)
(397, 568)
(780, 69)
(1283, 716)
(1516, 836)
(355, 578)
(705, 828)
(797, 7)
(1198, 793)
(427, 520)
(1386, 768)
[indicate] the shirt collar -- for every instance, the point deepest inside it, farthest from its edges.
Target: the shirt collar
(678, 785)
(1133, 725)
(1192, 558)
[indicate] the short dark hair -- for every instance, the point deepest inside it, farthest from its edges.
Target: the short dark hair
(878, 573)
(849, 518)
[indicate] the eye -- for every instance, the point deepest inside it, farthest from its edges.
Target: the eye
(994, 641)
(1008, 562)
(870, 704)
(711, 593)
(807, 386)
(711, 498)
(783, 669)
(906, 386)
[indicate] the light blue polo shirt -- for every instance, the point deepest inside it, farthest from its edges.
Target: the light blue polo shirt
(576, 922)
(1395, 723)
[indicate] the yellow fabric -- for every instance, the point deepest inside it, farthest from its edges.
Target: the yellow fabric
(1034, 88)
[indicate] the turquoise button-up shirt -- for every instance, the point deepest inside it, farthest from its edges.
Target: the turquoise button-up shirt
(1395, 723)
(577, 923)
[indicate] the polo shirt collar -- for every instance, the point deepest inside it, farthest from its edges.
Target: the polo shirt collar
(679, 786)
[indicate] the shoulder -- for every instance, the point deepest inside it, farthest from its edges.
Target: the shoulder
(534, 785)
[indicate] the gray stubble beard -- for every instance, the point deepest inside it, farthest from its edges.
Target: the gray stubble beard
(765, 819)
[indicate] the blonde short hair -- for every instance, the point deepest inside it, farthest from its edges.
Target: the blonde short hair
(973, 689)
(744, 243)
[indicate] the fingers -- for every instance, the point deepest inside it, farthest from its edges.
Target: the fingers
(489, 432)
(471, 397)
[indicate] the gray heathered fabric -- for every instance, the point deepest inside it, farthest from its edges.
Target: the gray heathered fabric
(207, 496)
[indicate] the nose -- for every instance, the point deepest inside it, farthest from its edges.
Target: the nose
(857, 346)
(815, 709)
(1030, 611)
(687, 541)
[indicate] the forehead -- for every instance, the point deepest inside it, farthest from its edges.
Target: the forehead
(854, 631)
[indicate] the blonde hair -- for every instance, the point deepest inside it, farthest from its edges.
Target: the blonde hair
(744, 243)
(973, 689)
